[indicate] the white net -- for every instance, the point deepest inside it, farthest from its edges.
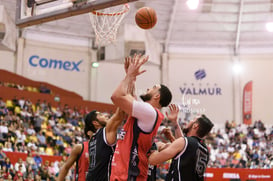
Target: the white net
(106, 22)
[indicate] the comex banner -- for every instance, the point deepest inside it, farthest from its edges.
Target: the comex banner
(51, 63)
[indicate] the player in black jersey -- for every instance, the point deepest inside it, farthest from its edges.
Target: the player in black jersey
(189, 154)
(101, 144)
(171, 116)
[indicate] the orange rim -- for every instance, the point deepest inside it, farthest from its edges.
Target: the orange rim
(112, 14)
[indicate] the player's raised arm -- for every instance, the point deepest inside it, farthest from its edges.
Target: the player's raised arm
(69, 162)
(168, 153)
(121, 97)
(112, 126)
(172, 116)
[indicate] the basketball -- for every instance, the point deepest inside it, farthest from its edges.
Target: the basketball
(146, 18)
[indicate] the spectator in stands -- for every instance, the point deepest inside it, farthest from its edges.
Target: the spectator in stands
(2, 107)
(20, 164)
(27, 104)
(51, 169)
(2, 137)
(2, 156)
(21, 137)
(43, 106)
(8, 117)
(30, 130)
(4, 172)
(51, 121)
(20, 87)
(15, 101)
(44, 89)
(4, 128)
(37, 177)
(7, 163)
(30, 160)
(37, 122)
(60, 144)
(57, 130)
(29, 173)
(44, 172)
(32, 144)
(67, 138)
(38, 159)
(11, 129)
(68, 149)
(49, 134)
(41, 139)
(21, 102)
(49, 150)
(8, 146)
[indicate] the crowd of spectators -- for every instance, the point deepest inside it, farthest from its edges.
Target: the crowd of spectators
(242, 146)
(40, 129)
(37, 129)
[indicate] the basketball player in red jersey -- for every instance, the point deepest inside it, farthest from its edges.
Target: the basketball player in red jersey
(130, 160)
(79, 154)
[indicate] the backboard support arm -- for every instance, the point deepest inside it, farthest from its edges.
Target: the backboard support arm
(63, 13)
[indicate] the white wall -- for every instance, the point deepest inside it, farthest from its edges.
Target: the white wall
(218, 68)
(73, 79)
(218, 72)
(109, 75)
(130, 33)
(7, 60)
(258, 68)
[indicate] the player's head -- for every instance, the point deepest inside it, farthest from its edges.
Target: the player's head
(200, 126)
(93, 121)
(159, 93)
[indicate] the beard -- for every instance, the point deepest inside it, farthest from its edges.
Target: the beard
(146, 97)
(102, 123)
(186, 130)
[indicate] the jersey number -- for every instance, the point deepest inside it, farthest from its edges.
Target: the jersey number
(92, 156)
(201, 162)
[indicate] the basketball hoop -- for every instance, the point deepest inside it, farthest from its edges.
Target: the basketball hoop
(106, 22)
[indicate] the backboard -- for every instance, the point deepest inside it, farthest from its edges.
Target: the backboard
(33, 12)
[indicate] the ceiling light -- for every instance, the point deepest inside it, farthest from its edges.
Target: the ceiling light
(192, 4)
(269, 26)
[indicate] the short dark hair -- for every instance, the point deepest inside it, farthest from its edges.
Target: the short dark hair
(165, 96)
(205, 125)
(90, 117)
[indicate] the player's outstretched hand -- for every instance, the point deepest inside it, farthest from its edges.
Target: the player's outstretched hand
(135, 64)
(172, 116)
(168, 134)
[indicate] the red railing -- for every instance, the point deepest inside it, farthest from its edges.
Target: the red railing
(14, 156)
(66, 97)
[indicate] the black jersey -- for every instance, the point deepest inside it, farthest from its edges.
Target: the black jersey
(100, 157)
(151, 173)
(152, 168)
(190, 163)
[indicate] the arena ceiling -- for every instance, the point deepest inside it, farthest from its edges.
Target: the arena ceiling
(215, 23)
